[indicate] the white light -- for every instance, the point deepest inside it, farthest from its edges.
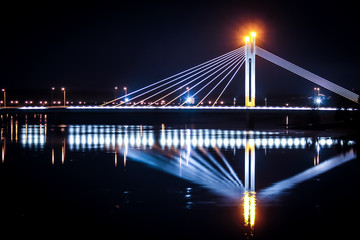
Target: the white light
(151, 140)
(271, 142)
(169, 141)
(77, 139)
(213, 142)
(296, 142)
(257, 142)
(194, 141)
(138, 141)
(232, 142)
(176, 141)
(238, 142)
(89, 140)
(83, 139)
(226, 142)
(71, 139)
(207, 142)
(277, 142)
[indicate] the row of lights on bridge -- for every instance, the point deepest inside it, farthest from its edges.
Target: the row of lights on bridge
(317, 99)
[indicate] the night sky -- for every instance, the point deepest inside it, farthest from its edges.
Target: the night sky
(96, 46)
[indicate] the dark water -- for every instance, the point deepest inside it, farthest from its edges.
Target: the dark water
(176, 181)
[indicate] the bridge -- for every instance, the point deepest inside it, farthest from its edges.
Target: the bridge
(214, 77)
(188, 93)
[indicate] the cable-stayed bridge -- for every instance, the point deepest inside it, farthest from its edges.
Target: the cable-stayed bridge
(194, 95)
(194, 86)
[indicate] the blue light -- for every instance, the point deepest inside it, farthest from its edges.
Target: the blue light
(190, 100)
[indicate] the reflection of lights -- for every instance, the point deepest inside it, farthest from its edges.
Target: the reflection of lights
(249, 207)
(3, 152)
(108, 137)
(52, 156)
(280, 187)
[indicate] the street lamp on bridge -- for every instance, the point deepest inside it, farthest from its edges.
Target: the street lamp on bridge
(52, 95)
(3, 90)
(318, 91)
(115, 91)
(63, 89)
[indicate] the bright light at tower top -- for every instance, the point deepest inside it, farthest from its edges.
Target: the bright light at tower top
(251, 37)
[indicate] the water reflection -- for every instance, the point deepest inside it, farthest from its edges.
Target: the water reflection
(249, 205)
(196, 155)
(278, 188)
(89, 137)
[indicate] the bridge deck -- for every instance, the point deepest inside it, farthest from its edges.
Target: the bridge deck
(247, 116)
(164, 109)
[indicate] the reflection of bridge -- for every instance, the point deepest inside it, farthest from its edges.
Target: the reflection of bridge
(111, 137)
(173, 151)
(194, 86)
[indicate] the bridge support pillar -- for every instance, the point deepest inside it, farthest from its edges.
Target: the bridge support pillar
(250, 70)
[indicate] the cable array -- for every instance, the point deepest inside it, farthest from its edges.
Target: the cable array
(209, 78)
(200, 79)
(307, 75)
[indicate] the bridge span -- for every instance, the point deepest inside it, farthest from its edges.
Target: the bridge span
(239, 115)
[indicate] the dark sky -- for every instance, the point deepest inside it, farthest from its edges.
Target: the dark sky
(97, 46)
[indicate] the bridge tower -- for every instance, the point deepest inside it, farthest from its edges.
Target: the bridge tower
(250, 70)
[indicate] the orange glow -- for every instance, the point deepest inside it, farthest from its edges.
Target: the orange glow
(254, 28)
(247, 39)
(249, 207)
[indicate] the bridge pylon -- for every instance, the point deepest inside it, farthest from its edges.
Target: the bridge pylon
(250, 70)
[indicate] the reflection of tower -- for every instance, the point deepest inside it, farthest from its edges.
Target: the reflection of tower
(63, 152)
(3, 148)
(126, 146)
(116, 157)
(249, 209)
(250, 158)
(317, 156)
(249, 196)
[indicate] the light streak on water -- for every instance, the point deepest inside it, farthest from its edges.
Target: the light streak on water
(202, 168)
(189, 149)
(280, 187)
